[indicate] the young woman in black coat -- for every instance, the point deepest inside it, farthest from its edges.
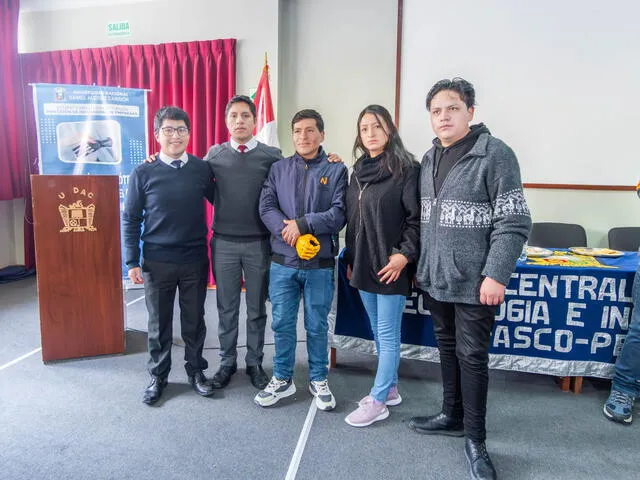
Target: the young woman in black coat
(382, 237)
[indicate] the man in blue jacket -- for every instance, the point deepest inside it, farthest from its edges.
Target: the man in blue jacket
(304, 194)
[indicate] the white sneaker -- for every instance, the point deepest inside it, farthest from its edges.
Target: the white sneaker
(274, 391)
(324, 398)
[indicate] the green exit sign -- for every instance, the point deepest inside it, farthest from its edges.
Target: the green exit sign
(119, 29)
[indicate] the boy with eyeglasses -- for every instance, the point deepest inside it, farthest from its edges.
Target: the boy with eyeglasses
(167, 198)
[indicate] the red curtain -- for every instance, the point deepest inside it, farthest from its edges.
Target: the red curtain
(13, 161)
(198, 77)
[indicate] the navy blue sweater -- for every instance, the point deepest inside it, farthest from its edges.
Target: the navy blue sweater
(170, 204)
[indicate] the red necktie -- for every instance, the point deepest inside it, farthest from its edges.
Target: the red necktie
(242, 148)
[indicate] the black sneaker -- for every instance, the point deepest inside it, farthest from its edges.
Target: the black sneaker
(274, 391)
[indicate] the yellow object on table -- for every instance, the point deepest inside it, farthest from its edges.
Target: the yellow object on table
(563, 258)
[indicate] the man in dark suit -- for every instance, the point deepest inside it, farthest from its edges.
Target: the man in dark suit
(167, 198)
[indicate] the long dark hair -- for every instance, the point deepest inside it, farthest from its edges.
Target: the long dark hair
(396, 158)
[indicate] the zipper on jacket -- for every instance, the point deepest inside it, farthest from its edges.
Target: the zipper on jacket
(434, 224)
(301, 211)
(361, 190)
(444, 182)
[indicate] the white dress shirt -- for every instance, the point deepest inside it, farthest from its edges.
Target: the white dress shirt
(167, 159)
(251, 144)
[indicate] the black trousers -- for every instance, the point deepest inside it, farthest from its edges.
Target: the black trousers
(160, 283)
(463, 332)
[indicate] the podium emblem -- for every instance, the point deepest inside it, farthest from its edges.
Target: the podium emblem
(77, 217)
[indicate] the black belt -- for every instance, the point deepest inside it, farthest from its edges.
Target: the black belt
(306, 264)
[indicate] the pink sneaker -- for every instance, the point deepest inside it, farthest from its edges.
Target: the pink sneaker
(367, 413)
(393, 398)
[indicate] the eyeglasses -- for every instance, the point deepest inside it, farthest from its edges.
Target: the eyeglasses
(169, 131)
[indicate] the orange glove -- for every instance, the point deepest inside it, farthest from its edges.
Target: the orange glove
(307, 246)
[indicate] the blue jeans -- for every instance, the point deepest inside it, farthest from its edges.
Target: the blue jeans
(286, 286)
(385, 316)
(627, 374)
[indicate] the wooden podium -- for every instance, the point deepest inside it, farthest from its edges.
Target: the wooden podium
(79, 265)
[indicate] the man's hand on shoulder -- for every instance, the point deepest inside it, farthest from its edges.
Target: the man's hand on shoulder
(151, 158)
(491, 292)
(334, 158)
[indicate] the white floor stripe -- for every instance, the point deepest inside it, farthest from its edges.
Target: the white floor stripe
(19, 359)
(302, 441)
(134, 301)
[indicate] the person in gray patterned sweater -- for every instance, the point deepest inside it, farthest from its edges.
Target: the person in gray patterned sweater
(474, 223)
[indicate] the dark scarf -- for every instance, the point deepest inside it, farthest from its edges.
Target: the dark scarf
(371, 170)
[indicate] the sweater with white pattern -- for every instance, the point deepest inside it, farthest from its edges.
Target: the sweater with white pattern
(477, 224)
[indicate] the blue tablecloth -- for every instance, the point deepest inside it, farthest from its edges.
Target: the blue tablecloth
(557, 320)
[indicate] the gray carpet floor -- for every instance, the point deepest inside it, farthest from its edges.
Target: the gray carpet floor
(83, 419)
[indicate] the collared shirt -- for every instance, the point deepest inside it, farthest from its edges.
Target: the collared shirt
(167, 159)
(251, 144)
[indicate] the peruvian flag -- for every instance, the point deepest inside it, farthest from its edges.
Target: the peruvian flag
(265, 131)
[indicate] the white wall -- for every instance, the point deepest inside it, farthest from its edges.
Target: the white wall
(554, 79)
(337, 57)
(596, 211)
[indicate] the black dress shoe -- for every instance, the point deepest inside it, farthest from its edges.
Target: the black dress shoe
(259, 378)
(153, 392)
(200, 384)
(479, 461)
(223, 376)
(439, 424)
